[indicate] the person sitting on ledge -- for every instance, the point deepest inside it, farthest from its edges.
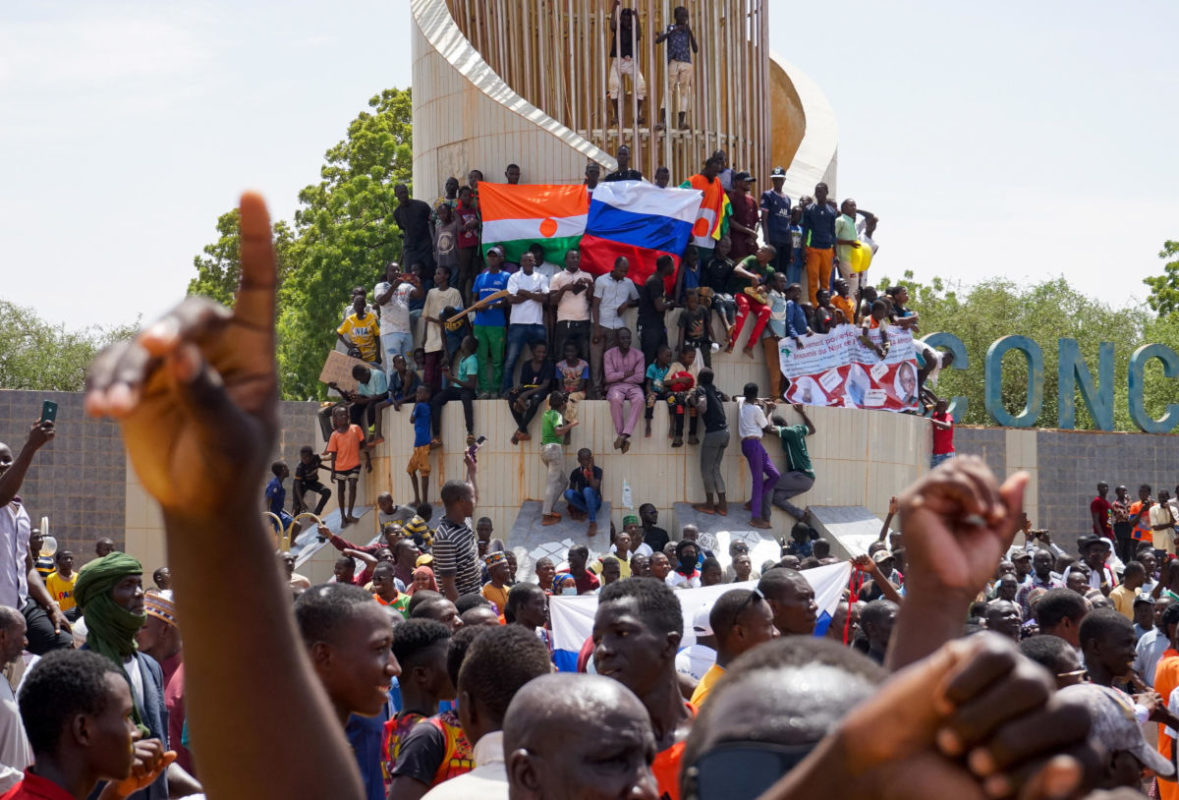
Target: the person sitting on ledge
(584, 494)
(463, 379)
(524, 400)
(623, 366)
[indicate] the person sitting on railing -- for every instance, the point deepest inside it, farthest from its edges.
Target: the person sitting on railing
(371, 395)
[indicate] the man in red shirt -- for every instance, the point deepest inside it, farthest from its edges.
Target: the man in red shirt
(943, 434)
(746, 217)
(578, 558)
(76, 706)
(1101, 510)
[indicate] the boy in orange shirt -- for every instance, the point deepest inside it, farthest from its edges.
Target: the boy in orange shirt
(840, 301)
(344, 448)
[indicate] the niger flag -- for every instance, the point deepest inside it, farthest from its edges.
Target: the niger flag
(515, 217)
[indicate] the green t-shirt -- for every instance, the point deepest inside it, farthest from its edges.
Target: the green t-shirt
(794, 443)
(551, 420)
(845, 228)
(467, 367)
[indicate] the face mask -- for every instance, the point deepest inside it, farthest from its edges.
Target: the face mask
(569, 590)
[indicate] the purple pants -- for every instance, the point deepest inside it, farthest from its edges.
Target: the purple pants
(759, 466)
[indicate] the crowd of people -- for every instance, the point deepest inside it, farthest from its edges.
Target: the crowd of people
(929, 681)
(449, 323)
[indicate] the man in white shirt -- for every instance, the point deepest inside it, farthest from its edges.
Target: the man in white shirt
(497, 665)
(393, 296)
(614, 293)
(697, 658)
(529, 292)
(15, 753)
(570, 292)
(752, 425)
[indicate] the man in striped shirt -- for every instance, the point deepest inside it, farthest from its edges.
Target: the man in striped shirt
(456, 554)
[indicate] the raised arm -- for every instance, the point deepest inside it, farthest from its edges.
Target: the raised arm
(199, 387)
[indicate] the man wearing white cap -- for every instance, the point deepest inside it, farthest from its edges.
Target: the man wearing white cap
(1114, 726)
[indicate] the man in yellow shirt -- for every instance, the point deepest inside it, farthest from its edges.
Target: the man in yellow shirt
(362, 330)
(496, 589)
(61, 582)
(1123, 595)
(741, 619)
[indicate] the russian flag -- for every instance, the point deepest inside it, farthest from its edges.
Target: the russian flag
(640, 221)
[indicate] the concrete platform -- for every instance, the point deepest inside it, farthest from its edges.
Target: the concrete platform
(717, 533)
(850, 529)
(532, 541)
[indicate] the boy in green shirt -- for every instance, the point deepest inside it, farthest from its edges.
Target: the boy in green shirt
(847, 238)
(798, 476)
(552, 453)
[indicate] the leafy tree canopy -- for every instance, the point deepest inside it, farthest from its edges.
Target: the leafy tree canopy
(35, 354)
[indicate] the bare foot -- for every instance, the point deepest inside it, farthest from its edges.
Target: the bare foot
(677, 442)
(625, 444)
(377, 441)
(704, 508)
(592, 530)
(525, 436)
(757, 522)
(722, 509)
(748, 351)
(516, 438)
(551, 519)
(647, 431)
(435, 443)
(619, 442)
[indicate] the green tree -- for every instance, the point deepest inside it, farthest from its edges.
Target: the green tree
(346, 236)
(36, 354)
(1164, 289)
(219, 269)
(343, 236)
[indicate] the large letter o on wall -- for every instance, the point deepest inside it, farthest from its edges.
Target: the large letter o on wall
(1136, 380)
(994, 382)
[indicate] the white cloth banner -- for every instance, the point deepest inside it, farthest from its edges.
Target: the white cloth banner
(573, 617)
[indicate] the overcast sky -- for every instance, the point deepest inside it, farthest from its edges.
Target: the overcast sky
(1019, 139)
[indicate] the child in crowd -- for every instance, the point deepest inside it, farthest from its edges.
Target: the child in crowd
(751, 297)
(899, 314)
(573, 377)
(419, 359)
(419, 461)
(679, 382)
(462, 380)
(403, 383)
(867, 296)
(688, 278)
(344, 448)
(874, 321)
(823, 319)
(694, 329)
(307, 480)
(796, 321)
(797, 259)
(446, 234)
(584, 494)
(60, 582)
(418, 528)
(438, 299)
(842, 304)
(656, 372)
(554, 432)
(456, 330)
(276, 495)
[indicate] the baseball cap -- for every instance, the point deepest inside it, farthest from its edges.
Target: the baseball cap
(778, 173)
(744, 176)
(499, 251)
(1143, 598)
(1114, 724)
(880, 556)
(700, 624)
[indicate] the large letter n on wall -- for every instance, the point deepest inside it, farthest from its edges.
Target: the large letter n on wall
(994, 382)
(1137, 386)
(1072, 370)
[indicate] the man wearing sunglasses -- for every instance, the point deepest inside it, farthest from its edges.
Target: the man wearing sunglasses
(741, 619)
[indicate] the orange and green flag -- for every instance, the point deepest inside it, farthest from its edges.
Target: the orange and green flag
(516, 217)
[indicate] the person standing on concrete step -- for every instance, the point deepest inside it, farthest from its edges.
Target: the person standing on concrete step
(709, 402)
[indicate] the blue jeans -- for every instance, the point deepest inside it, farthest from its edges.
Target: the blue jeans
(938, 458)
(518, 336)
(396, 343)
(587, 501)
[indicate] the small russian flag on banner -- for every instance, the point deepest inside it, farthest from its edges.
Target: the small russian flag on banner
(639, 221)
